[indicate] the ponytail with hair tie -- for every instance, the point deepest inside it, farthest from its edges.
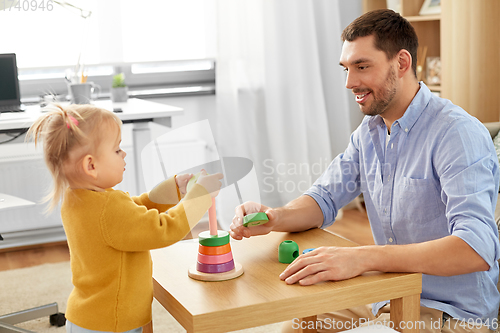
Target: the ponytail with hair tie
(73, 120)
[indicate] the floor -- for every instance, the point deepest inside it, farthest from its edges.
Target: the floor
(353, 225)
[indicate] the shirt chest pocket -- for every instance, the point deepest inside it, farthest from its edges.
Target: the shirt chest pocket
(418, 200)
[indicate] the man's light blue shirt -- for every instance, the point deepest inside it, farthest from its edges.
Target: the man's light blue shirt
(437, 176)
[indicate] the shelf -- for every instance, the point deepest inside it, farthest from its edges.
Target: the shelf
(423, 18)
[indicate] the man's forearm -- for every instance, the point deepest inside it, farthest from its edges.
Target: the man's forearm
(444, 257)
(300, 214)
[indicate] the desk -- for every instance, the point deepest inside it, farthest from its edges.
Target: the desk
(137, 111)
(259, 297)
(11, 202)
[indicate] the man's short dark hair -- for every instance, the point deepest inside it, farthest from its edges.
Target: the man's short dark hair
(392, 32)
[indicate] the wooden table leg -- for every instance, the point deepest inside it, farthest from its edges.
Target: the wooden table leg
(405, 314)
(148, 328)
(307, 322)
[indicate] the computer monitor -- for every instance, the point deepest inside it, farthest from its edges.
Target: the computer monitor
(9, 83)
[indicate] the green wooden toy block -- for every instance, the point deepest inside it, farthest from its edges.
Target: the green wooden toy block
(288, 251)
(254, 219)
(222, 238)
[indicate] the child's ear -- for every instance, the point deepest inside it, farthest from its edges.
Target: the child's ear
(89, 167)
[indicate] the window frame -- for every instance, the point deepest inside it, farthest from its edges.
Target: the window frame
(140, 84)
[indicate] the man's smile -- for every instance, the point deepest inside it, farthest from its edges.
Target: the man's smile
(361, 98)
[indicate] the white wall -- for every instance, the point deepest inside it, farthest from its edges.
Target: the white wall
(351, 10)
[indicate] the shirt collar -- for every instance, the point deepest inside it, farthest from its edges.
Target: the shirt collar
(411, 114)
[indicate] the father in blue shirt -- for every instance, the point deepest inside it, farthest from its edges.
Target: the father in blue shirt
(429, 176)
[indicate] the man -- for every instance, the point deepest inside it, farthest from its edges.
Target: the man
(429, 176)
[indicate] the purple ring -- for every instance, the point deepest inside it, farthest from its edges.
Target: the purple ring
(218, 268)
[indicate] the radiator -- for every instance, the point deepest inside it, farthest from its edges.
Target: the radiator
(23, 174)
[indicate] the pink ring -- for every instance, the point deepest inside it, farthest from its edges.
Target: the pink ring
(217, 259)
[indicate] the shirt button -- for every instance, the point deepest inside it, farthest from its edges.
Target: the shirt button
(392, 145)
(385, 210)
(406, 130)
(391, 240)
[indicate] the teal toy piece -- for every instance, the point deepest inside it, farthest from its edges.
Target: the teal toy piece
(288, 251)
(254, 219)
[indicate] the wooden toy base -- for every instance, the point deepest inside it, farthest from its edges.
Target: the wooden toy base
(234, 273)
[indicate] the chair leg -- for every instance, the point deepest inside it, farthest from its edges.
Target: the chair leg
(6, 328)
(50, 310)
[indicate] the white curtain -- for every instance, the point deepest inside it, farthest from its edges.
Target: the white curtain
(281, 96)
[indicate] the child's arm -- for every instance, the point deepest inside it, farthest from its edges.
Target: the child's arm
(127, 226)
(166, 194)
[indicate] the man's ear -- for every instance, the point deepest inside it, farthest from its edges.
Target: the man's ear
(89, 166)
(404, 62)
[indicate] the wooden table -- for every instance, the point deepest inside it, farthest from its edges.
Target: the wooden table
(259, 297)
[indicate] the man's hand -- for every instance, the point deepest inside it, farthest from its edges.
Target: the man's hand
(182, 181)
(340, 263)
(324, 264)
(238, 231)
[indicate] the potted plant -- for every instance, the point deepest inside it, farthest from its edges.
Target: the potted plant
(119, 90)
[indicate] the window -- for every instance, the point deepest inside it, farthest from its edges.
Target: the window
(116, 32)
(48, 40)
(170, 30)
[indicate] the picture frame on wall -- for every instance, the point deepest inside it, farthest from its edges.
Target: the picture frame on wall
(430, 7)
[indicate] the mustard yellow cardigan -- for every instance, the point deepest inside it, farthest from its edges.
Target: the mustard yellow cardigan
(109, 236)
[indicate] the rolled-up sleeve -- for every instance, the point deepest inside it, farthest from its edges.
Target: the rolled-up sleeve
(469, 183)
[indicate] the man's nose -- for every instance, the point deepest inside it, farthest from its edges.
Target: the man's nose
(351, 81)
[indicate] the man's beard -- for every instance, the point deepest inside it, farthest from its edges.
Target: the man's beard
(379, 105)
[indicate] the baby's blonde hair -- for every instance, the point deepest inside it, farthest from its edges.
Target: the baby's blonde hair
(62, 130)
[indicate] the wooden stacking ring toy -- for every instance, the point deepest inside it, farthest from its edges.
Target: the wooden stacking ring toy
(215, 259)
(222, 238)
(219, 268)
(254, 219)
(214, 250)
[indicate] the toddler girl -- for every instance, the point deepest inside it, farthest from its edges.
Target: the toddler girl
(109, 232)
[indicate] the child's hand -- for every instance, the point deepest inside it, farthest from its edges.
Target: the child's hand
(211, 183)
(182, 181)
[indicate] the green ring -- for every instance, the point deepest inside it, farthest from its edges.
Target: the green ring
(254, 219)
(206, 239)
